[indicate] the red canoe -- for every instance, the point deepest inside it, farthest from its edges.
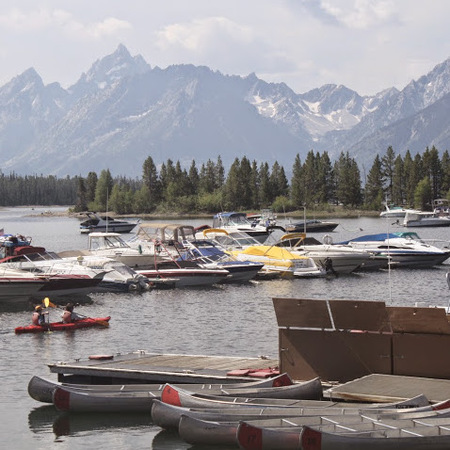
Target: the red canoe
(59, 326)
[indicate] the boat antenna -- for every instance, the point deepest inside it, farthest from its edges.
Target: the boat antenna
(107, 209)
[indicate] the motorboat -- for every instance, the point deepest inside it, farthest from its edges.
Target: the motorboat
(97, 222)
(439, 217)
(311, 226)
(237, 221)
(393, 211)
(337, 258)
(405, 249)
(184, 273)
(18, 286)
(209, 255)
(60, 277)
(111, 245)
(118, 276)
(280, 260)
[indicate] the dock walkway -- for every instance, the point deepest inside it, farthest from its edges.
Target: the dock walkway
(143, 367)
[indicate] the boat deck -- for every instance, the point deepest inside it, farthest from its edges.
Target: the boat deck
(144, 367)
(390, 388)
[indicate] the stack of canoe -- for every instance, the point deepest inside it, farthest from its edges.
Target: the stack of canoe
(271, 414)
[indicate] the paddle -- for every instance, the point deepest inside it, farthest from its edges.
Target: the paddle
(48, 303)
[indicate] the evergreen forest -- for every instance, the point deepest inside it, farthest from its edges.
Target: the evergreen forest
(315, 183)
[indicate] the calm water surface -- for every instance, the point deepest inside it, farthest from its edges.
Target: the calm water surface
(229, 320)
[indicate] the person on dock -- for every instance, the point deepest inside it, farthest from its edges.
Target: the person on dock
(38, 317)
(69, 315)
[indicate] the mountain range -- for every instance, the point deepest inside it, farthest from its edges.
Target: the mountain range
(123, 110)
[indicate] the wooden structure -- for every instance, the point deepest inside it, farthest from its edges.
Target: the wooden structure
(340, 340)
(143, 367)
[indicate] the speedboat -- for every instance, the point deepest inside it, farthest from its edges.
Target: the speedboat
(96, 222)
(18, 286)
(236, 221)
(415, 218)
(334, 257)
(114, 247)
(404, 249)
(310, 226)
(209, 255)
(280, 260)
(393, 211)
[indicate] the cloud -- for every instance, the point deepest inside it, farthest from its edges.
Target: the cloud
(356, 14)
(222, 42)
(41, 20)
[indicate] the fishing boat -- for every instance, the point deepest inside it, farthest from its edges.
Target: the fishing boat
(86, 322)
(97, 222)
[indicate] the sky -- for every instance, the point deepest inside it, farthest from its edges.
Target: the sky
(365, 45)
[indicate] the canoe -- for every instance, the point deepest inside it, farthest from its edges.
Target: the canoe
(196, 430)
(419, 437)
(288, 433)
(113, 398)
(168, 416)
(59, 326)
(41, 389)
(308, 390)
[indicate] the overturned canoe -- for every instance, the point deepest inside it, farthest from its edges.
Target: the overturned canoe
(41, 389)
(87, 322)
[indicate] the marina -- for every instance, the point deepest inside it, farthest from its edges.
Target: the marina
(236, 321)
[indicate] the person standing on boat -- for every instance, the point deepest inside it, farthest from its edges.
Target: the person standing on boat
(38, 317)
(68, 315)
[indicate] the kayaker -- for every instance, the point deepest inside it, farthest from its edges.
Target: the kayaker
(68, 315)
(38, 317)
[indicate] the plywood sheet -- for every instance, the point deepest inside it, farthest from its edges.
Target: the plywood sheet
(418, 320)
(293, 312)
(359, 315)
(333, 355)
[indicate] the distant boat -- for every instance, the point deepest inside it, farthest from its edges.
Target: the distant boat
(311, 226)
(393, 211)
(236, 221)
(96, 222)
(439, 217)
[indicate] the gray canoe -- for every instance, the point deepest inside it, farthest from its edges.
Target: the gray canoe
(168, 416)
(286, 432)
(289, 433)
(41, 389)
(283, 395)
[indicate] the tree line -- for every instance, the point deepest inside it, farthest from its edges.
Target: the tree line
(248, 185)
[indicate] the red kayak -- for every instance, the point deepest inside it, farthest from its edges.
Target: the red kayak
(59, 326)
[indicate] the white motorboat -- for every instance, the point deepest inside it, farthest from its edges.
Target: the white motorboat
(97, 222)
(18, 286)
(415, 218)
(236, 221)
(405, 249)
(111, 245)
(334, 258)
(393, 211)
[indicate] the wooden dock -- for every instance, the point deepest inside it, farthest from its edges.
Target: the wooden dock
(390, 388)
(143, 367)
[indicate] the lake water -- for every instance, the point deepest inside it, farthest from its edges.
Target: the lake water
(232, 320)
